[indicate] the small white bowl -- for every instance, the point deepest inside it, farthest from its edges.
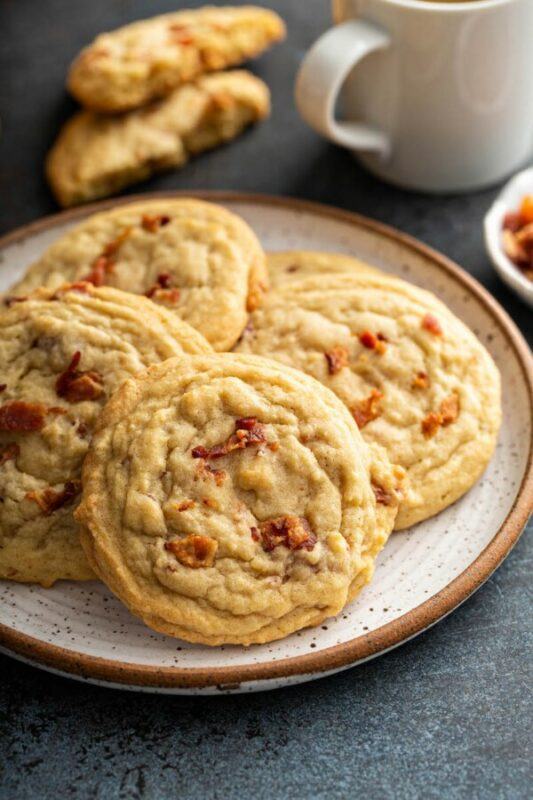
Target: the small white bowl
(509, 199)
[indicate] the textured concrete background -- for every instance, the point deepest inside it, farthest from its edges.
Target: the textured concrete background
(447, 715)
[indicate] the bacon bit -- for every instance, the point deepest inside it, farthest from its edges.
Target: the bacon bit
(21, 417)
(185, 505)
(420, 381)
(152, 222)
(9, 452)
(449, 409)
(9, 301)
(431, 324)
(218, 474)
(373, 341)
(337, 359)
(170, 296)
(3, 387)
(49, 500)
(447, 413)
(385, 497)
(163, 289)
(77, 385)
(291, 532)
(104, 263)
(83, 287)
(98, 272)
(248, 432)
(274, 446)
(194, 551)
(512, 221)
(431, 424)
(210, 503)
(368, 409)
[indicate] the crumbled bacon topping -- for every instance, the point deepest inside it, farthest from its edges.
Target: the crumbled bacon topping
(18, 416)
(3, 387)
(194, 551)
(447, 413)
(431, 424)
(420, 381)
(518, 236)
(373, 341)
(49, 500)
(9, 301)
(163, 289)
(337, 359)
(385, 497)
(449, 409)
(431, 324)
(104, 263)
(206, 470)
(367, 409)
(9, 452)
(76, 385)
(185, 505)
(292, 532)
(248, 432)
(152, 222)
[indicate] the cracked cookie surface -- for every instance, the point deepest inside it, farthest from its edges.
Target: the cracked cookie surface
(199, 261)
(62, 354)
(415, 378)
(128, 67)
(230, 500)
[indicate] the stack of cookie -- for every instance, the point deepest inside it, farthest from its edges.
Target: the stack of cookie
(226, 497)
(154, 96)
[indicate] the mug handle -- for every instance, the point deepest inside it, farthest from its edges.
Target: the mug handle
(322, 74)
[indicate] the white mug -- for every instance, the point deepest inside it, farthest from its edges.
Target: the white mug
(436, 96)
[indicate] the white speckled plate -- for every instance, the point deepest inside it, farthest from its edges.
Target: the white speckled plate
(81, 630)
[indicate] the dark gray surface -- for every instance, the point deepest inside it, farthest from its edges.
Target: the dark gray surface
(447, 715)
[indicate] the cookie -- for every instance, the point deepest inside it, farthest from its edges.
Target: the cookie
(416, 379)
(196, 259)
(62, 354)
(288, 266)
(129, 67)
(230, 500)
(95, 155)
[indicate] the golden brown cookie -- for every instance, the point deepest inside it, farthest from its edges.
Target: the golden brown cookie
(230, 500)
(416, 379)
(97, 155)
(128, 67)
(62, 354)
(196, 259)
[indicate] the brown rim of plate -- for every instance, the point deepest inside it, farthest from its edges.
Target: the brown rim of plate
(362, 647)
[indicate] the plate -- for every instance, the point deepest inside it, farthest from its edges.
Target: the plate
(81, 630)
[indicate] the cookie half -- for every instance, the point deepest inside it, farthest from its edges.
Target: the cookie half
(62, 354)
(196, 259)
(97, 155)
(415, 378)
(128, 67)
(230, 500)
(290, 265)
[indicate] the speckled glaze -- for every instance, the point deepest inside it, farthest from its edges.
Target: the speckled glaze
(423, 573)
